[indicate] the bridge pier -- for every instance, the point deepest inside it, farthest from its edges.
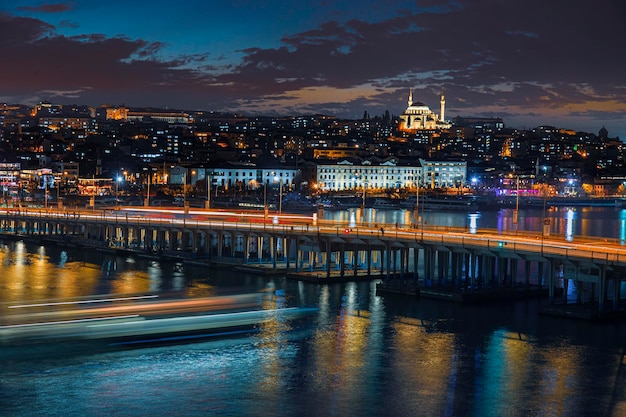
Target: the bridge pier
(551, 281)
(416, 258)
(387, 257)
(502, 268)
(327, 255)
(602, 293)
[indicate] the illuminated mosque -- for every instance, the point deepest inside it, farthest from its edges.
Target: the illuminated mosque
(418, 116)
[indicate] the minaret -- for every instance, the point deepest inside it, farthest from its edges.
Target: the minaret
(410, 97)
(443, 107)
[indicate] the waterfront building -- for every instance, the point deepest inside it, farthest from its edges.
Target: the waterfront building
(95, 187)
(443, 174)
(9, 179)
(237, 175)
(9, 173)
(346, 175)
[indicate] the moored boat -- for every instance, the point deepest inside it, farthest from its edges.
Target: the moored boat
(381, 203)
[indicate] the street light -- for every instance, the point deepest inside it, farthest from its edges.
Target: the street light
(147, 201)
(92, 198)
(364, 191)
(117, 190)
(208, 191)
(417, 193)
(545, 231)
(419, 218)
(280, 194)
(264, 201)
(45, 192)
(516, 211)
(185, 192)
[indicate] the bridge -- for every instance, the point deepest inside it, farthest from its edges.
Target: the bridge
(314, 249)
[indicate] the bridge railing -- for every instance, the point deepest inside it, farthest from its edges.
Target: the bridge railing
(610, 251)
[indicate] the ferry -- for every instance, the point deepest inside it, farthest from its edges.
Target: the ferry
(585, 202)
(381, 203)
(440, 204)
(450, 204)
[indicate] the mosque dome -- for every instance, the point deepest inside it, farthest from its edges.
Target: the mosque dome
(417, 108)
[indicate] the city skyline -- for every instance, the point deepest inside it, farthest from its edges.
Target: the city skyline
(529, 63)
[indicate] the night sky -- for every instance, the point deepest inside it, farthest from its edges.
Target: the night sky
(533, 62)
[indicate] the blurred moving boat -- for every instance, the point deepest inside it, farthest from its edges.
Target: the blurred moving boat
(142, 322)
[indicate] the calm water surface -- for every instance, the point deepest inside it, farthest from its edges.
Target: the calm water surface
(566, 222)
(359, 355)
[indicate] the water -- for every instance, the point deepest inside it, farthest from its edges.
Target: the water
(359, 355)
(566, 222)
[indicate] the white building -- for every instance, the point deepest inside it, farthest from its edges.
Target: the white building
(443, 174)
(345, 175)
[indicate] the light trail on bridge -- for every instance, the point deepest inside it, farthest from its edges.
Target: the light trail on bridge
(607, 250)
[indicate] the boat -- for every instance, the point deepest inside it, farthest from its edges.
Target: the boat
(443, 203)
(585, 202)
(347, 202)
(449, 204)
(298, 206)
(409, 203)
(325, 204)
(381, 203)
(144, 320)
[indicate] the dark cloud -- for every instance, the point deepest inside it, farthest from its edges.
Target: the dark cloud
(46, 8)
(480, 48)
(16, 31)
(40, 60)
(492, 56)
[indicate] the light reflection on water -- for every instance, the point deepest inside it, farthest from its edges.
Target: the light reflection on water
(567, 222)
(360, 354)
